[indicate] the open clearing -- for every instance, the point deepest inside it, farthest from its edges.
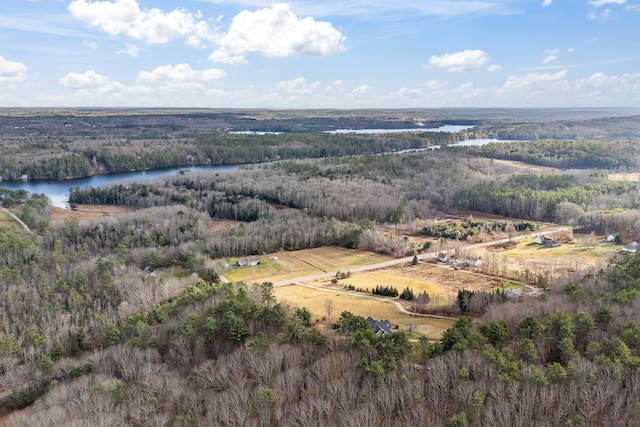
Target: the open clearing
(442, 283)
(625, 176)
(6, 221)
(371, 279)
(316, 301)
(581, 255)
(86, 212)
(289, 265)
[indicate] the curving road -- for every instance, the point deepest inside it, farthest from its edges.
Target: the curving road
(394, 262)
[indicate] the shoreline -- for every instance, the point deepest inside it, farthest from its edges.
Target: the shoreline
(59, 181)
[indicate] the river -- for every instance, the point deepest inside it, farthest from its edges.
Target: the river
(58, 191)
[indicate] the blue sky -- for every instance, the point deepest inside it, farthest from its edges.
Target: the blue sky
(320, 54)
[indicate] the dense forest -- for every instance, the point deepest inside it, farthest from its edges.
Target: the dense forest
(231, 355)
(89, 337)
(594, 154)
(69, 144)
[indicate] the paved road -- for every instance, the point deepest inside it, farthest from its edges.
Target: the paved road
(405, 260)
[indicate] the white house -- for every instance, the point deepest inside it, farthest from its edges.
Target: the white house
(513, 294)
(248, 261)
(631, 247)
(473, 262)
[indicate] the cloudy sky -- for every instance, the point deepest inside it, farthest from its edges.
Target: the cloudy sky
(320, 54)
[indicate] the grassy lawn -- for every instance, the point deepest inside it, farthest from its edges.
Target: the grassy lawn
(6, 221)
(316, 302)
(307, 262)
(508, 286)
(582, 249)
(371, 279)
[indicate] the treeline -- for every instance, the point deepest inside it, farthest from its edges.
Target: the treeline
(533, 204)
(59, 167)
(379, 188)
(462, 229)
(603, 154)
(155, 159)
(228, 148)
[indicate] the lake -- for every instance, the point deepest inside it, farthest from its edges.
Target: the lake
(466, 143)
(446, 128)
(58, 191)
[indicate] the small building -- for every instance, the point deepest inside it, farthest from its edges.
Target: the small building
(632, 247)
(148, 272)
(442, 257)
(473, 262)
(544, 240)
(513, 294)
(248, 261)
(380, 327)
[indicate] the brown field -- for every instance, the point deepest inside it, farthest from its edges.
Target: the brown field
(86, 212)
(439, 281)
(6, 221)
(289, 265)
(316, 301)
(576, 256)
(625, 176)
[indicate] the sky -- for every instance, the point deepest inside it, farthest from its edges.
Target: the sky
(320, 54)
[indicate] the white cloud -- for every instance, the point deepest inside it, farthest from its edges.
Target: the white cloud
(88, 79)
(90, 44)
(361, 91)
(546, 3)
(276, 32)
(549, 58)
(298, 86)
(467, 91)
(411, 93)
(124, 17)
(598, 3)
(494, 67)
(181, 73)
(457, 62)
(131, 50)
(11, 72)
(222, 57)
(435, 85)
(533, 81)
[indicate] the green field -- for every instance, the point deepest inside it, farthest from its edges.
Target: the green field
(307, 262)
(316, 301)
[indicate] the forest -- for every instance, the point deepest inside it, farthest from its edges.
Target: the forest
(87, 338)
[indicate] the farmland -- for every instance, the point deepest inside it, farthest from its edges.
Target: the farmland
(308, 262)
(317, 301)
